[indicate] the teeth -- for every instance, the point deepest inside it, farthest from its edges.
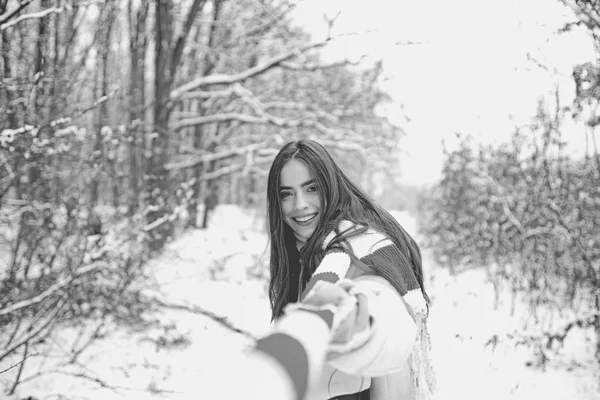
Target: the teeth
(305, 218)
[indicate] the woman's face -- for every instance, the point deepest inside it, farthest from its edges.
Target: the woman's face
(299, 197)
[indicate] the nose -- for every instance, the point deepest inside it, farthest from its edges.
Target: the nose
(301, 202)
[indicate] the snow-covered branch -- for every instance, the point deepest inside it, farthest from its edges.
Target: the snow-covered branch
(224, 79)
(548, 337)
(34, 332)
(227, 117)
(262, 118)
(305, 108)
(7, 136)
(59, 285)
(205, 158)
(9, 14)
(227, 170)
(586, 14)
(39, 14)
(341, 144)
(318, 66)
(93, 261)
(253, 101)
(207, 94)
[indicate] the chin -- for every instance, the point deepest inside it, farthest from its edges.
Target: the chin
(306, 238)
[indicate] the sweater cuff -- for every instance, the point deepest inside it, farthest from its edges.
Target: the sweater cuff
(297, 345)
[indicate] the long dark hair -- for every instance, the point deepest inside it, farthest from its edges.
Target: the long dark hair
(340, 199)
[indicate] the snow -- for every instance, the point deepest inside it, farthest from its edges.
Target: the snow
(222, 270)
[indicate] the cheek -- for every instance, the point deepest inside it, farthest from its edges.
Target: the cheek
(285, 208)
(320, 203)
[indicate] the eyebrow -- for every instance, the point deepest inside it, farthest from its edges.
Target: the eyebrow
(307, 183)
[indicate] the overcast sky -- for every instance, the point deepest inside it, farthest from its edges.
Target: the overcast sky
(468, 70)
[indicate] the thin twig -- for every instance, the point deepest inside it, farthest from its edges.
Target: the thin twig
(22, 364)
(36, 332)
(77, 352)
(19, 363)
(199, 310)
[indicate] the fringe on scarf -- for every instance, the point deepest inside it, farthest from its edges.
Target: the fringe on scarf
(421, 365)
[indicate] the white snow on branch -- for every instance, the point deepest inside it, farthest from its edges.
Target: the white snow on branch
(39, 14)
(208, 157)
(9, 14)
(319, 66)
(8, 135)
(225, 79)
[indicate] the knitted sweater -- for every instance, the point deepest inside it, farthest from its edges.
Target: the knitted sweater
(383, 359)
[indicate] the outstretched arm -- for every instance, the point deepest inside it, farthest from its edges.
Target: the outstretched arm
(281, 366)
(287, 363)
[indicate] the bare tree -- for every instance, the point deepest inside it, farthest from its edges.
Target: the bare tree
(167, 57)
(138, 43)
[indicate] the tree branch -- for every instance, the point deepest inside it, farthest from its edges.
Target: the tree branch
(227, 117)
(305, 108)
(265, 119)
(199, 310)
(178, 51)
(205, 158)
(207, 94)
(584, 254)
(8, 135)
(76, 352)
(341, 145)
(223, 79)
(8, 15)
(583, 14)
(250, 99)
(39, 14)
(37, 331)
(20, 371)
(230, 169)
(317, 66)
(61, 283)
(19, 363)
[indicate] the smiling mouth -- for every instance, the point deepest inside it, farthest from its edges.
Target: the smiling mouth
(305, 218)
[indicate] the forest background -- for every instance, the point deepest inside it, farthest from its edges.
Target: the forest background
(126, 125)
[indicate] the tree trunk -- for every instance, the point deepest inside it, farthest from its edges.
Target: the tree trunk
(168, 53)
(113, 145)
(597, 323)
(6, 96)
(101, 79)
(197, 179)
(98, 154)
(198, 170)
(36, 116)
(137, 51)
(156, 191)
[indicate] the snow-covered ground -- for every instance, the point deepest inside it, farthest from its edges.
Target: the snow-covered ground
(220, 270)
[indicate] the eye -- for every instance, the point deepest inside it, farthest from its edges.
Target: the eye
(283, 195)
(312, 188)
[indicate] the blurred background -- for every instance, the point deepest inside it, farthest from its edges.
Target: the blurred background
(135, 139)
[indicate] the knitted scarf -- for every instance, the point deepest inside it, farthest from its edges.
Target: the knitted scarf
(373, 248)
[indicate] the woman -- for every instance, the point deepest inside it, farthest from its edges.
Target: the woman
(338, 255)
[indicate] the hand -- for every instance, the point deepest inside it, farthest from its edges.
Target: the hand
(351, 322)
(354, 329)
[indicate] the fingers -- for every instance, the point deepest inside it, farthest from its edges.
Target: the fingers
(362, 320)
(326, 293)
(346, 284)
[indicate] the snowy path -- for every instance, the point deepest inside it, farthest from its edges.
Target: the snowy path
(216, 269)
